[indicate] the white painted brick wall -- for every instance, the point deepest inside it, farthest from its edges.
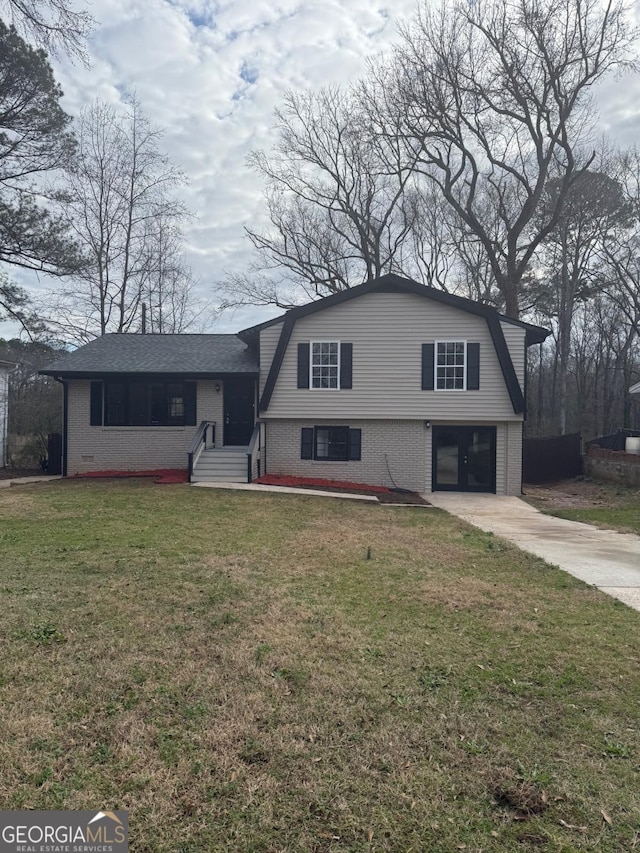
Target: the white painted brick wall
(400, 445)
(96, 448)
(513, 455)
(406, 444)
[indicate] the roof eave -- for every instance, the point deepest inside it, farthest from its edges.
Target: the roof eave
(395, 283)
(536, 335)
(187, 374)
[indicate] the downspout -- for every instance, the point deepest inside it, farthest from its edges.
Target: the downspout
(65, 415)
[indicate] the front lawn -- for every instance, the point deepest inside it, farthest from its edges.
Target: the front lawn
(253, 672)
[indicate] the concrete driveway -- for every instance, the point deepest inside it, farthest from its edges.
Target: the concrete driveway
(604, 558)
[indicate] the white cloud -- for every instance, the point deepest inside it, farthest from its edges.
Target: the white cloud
(212, 73)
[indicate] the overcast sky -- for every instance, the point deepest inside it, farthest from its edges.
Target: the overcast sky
(211, 73)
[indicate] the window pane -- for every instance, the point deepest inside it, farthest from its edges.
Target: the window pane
(480, 469)
(157, 404)
(324, 364)
(450, 366)
(447, 453)
(332, 443)
(115, 404)
(175, 402)
(322, 443)
(139, 403)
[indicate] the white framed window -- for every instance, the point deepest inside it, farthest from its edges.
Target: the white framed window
(324, 365)
(450, 366)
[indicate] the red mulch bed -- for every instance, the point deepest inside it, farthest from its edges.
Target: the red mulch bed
(163, 476)
(384, 494)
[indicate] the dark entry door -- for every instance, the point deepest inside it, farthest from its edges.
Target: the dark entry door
(239, 407)
(464, 458)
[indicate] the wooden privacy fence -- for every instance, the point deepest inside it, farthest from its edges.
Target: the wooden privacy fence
(615, 440)
(554, 458)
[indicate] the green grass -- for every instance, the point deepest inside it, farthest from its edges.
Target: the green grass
(608, 505)
(251, 672)
(623, 518)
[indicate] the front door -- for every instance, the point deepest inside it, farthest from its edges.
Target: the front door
(239, 411)
(464, 458)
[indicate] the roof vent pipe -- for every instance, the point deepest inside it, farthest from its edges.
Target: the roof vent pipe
(144, 318)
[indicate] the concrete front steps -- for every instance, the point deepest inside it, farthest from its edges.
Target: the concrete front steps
(221, 465)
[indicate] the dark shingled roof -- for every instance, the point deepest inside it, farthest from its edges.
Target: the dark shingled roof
(189, 354)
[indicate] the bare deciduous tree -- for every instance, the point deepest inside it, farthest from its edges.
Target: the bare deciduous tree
(54, 25)
(120, 200)
(621, 252)
(338, 210)
(569, 271)
(492, 100)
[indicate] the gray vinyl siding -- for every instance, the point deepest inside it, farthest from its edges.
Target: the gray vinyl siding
(98, 448)
(515, 338)
(269, 338)
(387, 331)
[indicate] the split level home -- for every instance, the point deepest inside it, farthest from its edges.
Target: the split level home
(389, 383)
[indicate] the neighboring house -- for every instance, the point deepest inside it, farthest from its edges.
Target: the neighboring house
(5, 369)
(389, 383)
(635, 389)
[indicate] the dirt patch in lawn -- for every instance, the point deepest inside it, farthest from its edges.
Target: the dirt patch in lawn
(15, 473)
(580, 492)
(610, 506)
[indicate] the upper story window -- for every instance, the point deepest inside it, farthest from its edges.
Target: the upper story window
(325, 364)
(451, 362)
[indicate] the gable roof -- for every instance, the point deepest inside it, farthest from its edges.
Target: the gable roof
(392, 283)
(197, 355)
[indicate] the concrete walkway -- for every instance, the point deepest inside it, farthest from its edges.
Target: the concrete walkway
(287, 490)
(604, 558)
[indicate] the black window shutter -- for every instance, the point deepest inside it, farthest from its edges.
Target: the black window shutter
(190, 403)
(355, 445)
(96, 404)
(473, 367)
(306, 443)
(427, 367)
(303, 365)
(346, 362)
